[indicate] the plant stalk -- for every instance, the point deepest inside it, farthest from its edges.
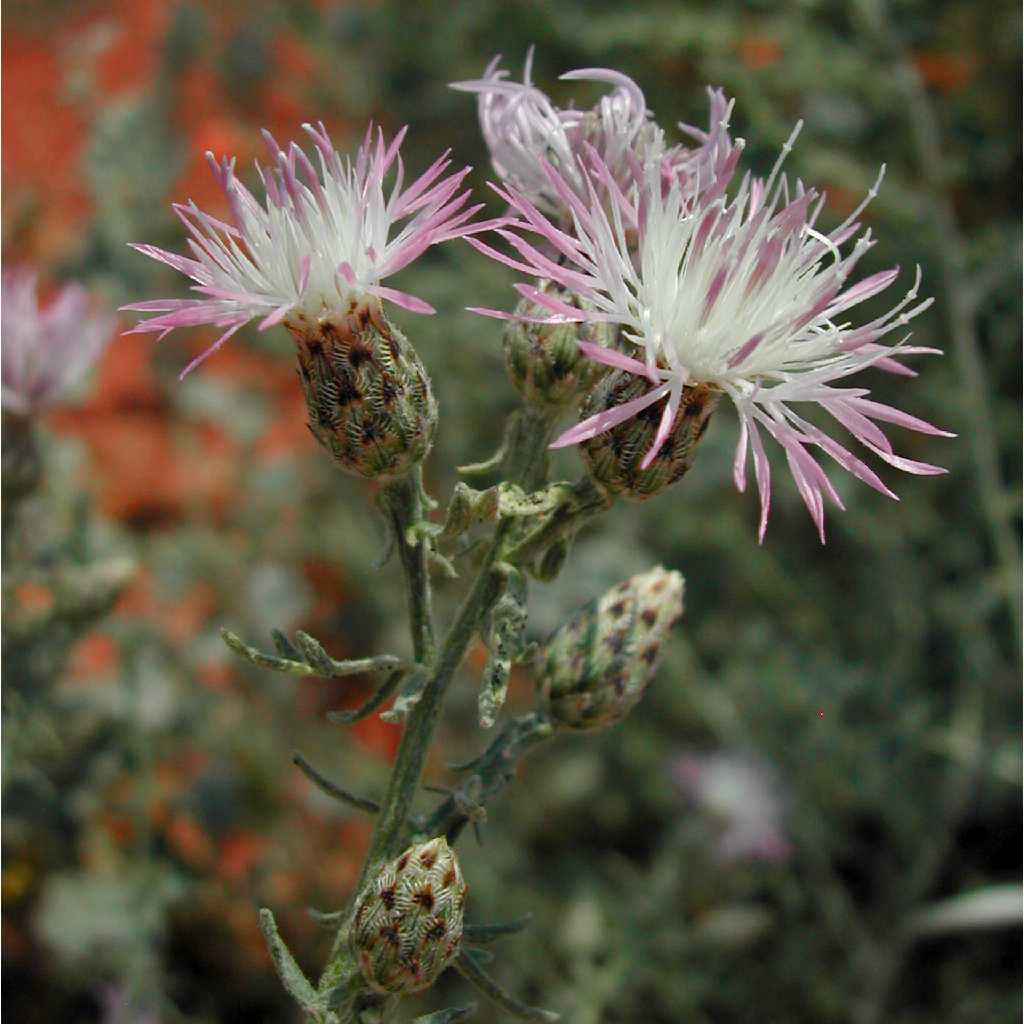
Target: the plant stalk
(527, 465)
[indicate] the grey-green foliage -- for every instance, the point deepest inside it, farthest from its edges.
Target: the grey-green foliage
(879, 673)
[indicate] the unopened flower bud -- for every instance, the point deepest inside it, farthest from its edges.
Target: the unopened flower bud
(369, 398)
(614, 457)
(544, 360)
(596, 666)
(407, 924)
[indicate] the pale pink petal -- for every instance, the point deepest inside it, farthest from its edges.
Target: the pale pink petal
(402, 299)
(602, 421)
(668, 417)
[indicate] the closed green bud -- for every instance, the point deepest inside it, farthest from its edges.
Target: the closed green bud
(407, 923)
(595, 667)
(544, 360)
(369, 398)
(614, 457)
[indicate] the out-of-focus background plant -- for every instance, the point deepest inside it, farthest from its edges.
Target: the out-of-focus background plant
(814, 815)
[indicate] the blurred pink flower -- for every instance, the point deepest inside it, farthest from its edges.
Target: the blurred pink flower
(523, 128)
(45, 351)
(744, 795)
(325, 237)
(741, 294)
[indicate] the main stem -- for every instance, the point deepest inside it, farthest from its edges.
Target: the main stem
(404, 499)
(526, 463)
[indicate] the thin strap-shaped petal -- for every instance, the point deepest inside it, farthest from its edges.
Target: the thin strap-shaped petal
(403, 299)
(602, 421)
(206, 353)
(668, 417)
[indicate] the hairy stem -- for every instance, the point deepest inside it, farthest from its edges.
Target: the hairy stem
(404, 502)
(527, 463)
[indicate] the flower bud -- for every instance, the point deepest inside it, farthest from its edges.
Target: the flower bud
(407, 924)
(596, 666)
(369, 398)
(544, 360)
(613, 458)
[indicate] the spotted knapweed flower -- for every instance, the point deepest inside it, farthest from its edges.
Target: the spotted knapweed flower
(313, 258)
(322, 242)
(743, 793)
(738, 296)
(46, 350)
(522, 128)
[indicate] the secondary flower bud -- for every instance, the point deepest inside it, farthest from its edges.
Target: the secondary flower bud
(614, 458)
(407, 925)
(595, 667)
(544, 360)
(369, 398)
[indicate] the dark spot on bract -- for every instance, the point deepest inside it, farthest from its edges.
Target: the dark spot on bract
(650, 653)
(359, 353)
(389, 933)
(437, 929)
(387, 896)
(425, 898)
(649, 616)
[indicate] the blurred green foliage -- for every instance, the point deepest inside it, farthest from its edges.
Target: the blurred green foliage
(880, 673)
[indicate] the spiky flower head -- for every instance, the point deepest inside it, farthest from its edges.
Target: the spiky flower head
(522, 128)
(595, 668)
(46, 350)
(544, 360)
(407, 921)
(320, 245)
(741, 295)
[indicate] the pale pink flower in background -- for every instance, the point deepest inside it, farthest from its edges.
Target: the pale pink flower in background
(744, 796)
(325, 238)
(742, 294)
(522, 128)
(47, 350)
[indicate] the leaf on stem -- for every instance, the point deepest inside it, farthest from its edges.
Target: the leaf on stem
(482, 934)
(449, 1016)
(294, 981)
(506, 644)
(306, 657)
(383, 692)
(485, 984)
(332, 788)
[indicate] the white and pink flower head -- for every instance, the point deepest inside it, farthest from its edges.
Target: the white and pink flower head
(46, 350)
(523, 130)
(741, 294)
(326, 236)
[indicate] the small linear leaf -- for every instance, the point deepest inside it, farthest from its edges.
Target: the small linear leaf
(486, 933)
(332, 788)
(449, 1016)
(294, 981)
(383, 692)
